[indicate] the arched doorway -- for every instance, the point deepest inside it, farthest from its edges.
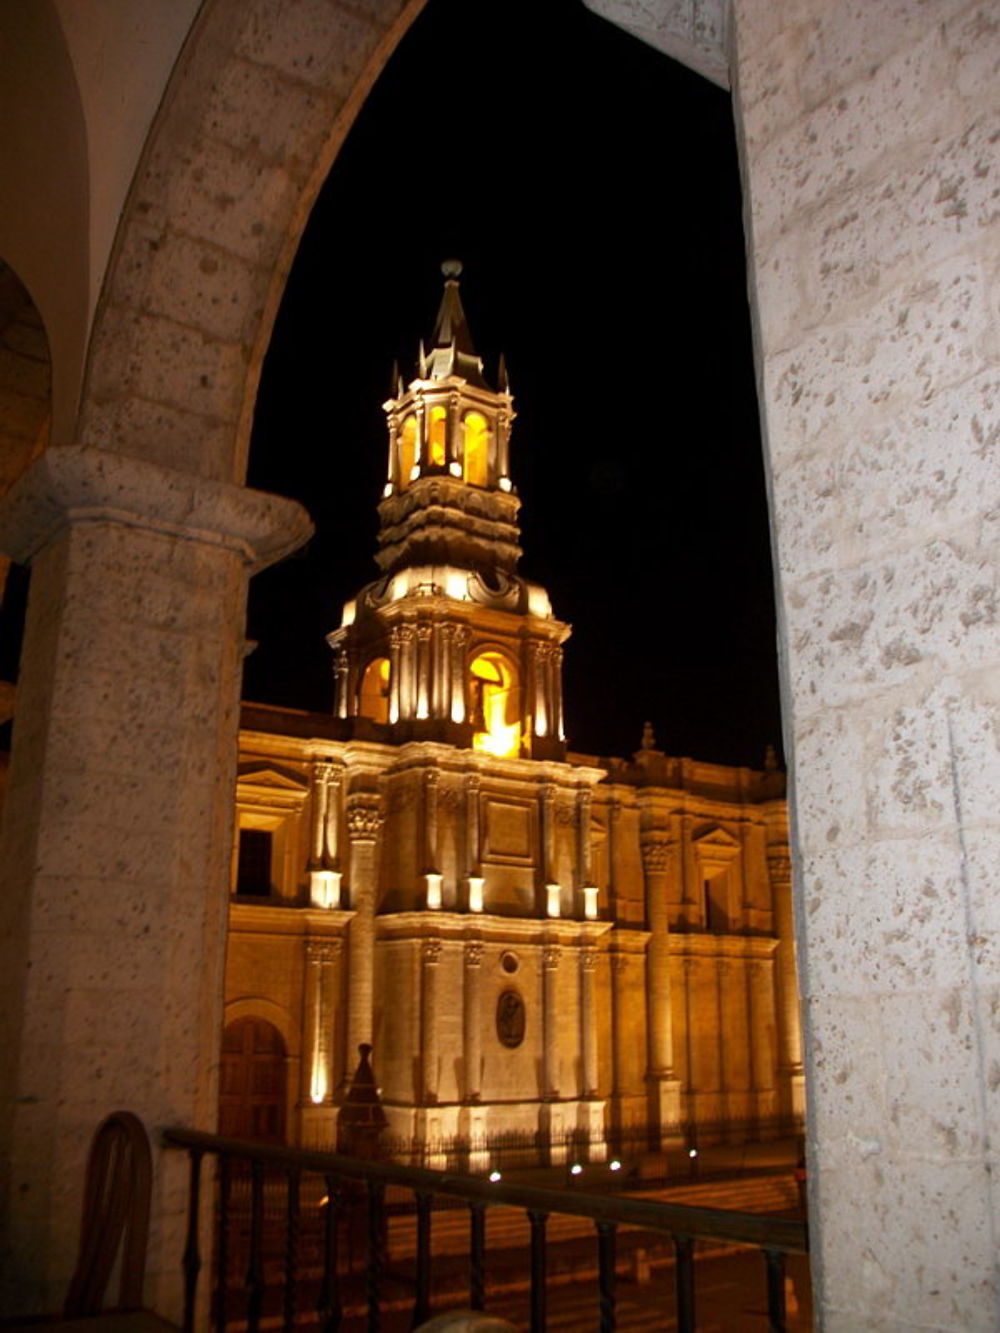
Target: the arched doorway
(252, 1081)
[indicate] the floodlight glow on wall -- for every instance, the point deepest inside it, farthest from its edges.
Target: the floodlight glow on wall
(590, 892)
(476, 893)
(433, 882)
(553, 894)
(324, 888)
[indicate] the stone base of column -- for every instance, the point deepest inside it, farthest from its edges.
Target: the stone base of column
(472, 1129)
(318, 1127)
(554, 1122)
(665, 1105)
(793, 1097)
(592, 1126)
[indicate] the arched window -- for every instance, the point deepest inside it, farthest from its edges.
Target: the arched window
(476, 448)
(374, 700)
(494, 705)
(437, 444)
(407, 449)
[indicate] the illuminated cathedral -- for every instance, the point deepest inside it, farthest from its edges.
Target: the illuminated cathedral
(541, 948)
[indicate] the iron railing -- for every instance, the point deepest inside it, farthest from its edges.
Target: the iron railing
(272, 1202)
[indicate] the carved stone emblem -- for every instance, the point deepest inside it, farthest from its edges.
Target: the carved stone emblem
(510, 1018)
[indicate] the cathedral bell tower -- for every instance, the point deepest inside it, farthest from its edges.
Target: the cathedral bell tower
(450, 644)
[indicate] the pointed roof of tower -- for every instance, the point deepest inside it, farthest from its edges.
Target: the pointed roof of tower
(452, 352)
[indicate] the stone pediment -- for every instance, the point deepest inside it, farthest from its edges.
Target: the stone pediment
(265, 774)
(715, 841)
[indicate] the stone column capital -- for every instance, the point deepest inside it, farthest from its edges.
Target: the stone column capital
(656, 847)
(322, 951)
(364, 818)
(474, 954)
(70, 484)
(430, 952)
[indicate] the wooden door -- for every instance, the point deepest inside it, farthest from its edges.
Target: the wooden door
(252, 1081)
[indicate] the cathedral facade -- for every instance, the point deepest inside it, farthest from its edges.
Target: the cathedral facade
(543, 949)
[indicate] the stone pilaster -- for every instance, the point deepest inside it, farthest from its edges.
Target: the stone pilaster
(319, 1074)
(551, 955)
(363, 823)
(430, 957)
(658, 853)
(588, 1023)
(791, 1077)
(472, 1020)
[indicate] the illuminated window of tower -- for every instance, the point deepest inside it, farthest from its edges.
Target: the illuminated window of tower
(494, 705)
(475, 448)
(407, 449)
(437, 445)
(374, 701)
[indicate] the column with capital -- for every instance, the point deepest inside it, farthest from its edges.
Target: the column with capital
(763, 1037)
(659, 851)
(422, 683)
(472, 1020)
(407, 672)
(791, 1077)
(430, 957)
(395, 674)
(460, 645)
(593, 1110)
(119, 807)
(318, 1072)
(551, 955)
(364, 820)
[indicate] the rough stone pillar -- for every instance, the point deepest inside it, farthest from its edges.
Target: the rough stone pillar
(791, 1080)
(472, 1020)
(114, 865)
(869, 160)
(363, 824)
(551, 955)
(658, 854)
(588, 1023)
(430, 957)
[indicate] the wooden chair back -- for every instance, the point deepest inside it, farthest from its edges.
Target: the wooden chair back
(115, 1217)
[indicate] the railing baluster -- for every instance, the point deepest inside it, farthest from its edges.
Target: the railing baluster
(684, 1281)
(538, 1223)
(255, 1273)
(192, 1255)
(373, 1275)
(291, 1246)
(606, 1236)
(328, 1305)
(422, 1304)
(477, 1255)
(222, 1245)
(775, 1261)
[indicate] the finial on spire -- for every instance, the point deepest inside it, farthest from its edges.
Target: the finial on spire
(648, 736)
(503, 379)
(451, 268)
(770, 759)
(396, 379)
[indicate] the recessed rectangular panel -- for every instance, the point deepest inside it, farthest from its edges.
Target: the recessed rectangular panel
(509, 831)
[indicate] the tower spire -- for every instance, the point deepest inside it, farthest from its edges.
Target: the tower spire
(452, 352)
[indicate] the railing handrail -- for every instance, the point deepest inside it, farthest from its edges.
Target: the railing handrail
(786, 1235)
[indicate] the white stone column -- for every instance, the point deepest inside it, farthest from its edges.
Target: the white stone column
(117, 835)
(422, 683)
(472, 1020)
(551, 954)
(791, 1079)
(430, 957)
(588, 1023)
(395, 674)
(318, 1067)
(659, 851)
(363, 823)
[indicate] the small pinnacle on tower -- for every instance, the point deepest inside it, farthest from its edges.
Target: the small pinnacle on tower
(648, 736)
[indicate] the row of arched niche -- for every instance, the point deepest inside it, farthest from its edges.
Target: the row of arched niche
(493, 703)
(472, 465)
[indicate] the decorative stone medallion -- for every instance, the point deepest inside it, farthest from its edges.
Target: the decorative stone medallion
(510, 1018)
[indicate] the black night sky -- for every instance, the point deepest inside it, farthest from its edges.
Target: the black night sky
(590, 187)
